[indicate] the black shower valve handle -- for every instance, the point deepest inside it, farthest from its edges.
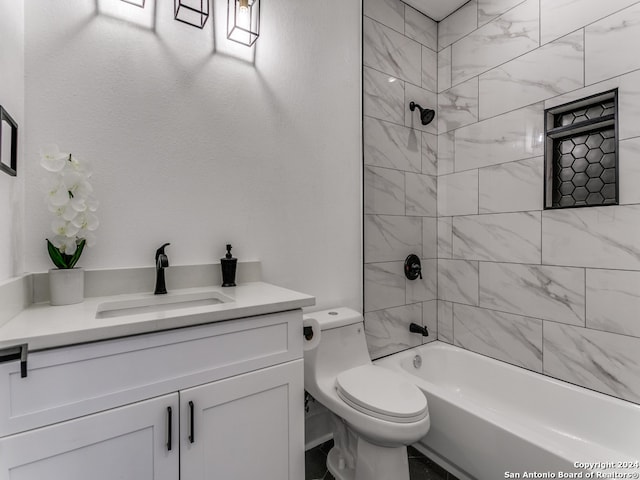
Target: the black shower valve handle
(413, 267)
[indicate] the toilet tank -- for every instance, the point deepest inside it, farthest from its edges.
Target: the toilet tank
(342, 346)
(336, 317)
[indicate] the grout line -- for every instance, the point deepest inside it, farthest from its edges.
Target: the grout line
(401, 79)
(584, 57)
(477, 193)
(362, 181)
(404, 19)
(478, 103)
(479, 264)
(403, 33)
(541, 237)
(453, 325)
(390, 122)
(544, 320)
(542, 347)
(539, 23)
(585, 298)
(511, 59)
(574, 267)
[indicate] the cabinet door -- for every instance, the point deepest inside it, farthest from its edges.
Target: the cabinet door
(246, 427)
(127, 443)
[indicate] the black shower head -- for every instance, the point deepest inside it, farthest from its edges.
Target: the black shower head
(426, 114)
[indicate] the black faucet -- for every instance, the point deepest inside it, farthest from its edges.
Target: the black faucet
(415, 328)
(162, 262)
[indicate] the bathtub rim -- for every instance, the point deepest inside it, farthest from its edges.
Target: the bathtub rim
(525, 429)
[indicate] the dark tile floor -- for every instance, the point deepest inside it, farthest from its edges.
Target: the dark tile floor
(420, 467)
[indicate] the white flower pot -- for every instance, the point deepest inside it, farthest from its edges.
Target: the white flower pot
(66, 286)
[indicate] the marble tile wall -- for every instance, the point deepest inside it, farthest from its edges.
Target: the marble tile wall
(400, 65)
(553, 291)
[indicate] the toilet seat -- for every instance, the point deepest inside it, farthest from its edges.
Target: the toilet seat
(382, 394)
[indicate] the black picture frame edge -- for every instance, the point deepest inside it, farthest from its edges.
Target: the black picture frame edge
(12, 168)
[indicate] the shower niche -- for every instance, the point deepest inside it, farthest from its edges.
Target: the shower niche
(581, 152)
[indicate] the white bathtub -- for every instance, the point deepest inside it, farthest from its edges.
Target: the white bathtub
(491, 420)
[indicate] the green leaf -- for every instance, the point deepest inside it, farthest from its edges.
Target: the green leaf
(76, 256)
(56, 256)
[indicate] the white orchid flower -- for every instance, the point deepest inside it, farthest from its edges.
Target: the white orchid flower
(77, 185)
(86, 221)
(63, 228)
(69, 197)
(92, 204)
(52, 159)
(78, 204)
(65, 244)
(57, 194)
(72, 179)
(80, 165)
(66, 212)
(90, 238)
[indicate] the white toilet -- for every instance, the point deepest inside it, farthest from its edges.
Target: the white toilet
(377, 413)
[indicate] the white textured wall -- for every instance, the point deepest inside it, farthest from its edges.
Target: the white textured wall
(200, 149)
(12, 99)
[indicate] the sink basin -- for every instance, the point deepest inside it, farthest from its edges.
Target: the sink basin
(159, 303)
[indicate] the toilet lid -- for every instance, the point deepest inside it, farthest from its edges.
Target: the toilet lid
(381, 393)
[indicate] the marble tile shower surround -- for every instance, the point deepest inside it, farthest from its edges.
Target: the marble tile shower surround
(458, 106)
(387, 330)
(458, 24)
(444, 69)
(429, 71)
(548, 71)
(628, 85)
(511, 187)
(602, 361)
(499, 335)
(628, 152)
(445, 321)
(557, 18)
(516, 135)
(539, 291)
(430, 226)
(554, 291)
(515, 32)
(400, 174)
(394, 146)
(592, 237)
(490, 9)
(501, 237)
(458, 281)
(420, 28)
(613, 290)
(618, 32)
(391, 52)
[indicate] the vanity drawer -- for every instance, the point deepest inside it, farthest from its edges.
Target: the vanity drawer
(73, 381)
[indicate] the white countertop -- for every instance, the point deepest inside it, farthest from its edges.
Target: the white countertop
(44, 326)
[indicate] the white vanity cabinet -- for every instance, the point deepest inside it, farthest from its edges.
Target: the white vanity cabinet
(125, 443)
(226, 397)
(245, 427)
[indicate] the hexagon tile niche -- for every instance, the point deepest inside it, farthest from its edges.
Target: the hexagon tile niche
(581, 160)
